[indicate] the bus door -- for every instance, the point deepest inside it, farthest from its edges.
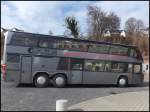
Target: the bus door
(26, 64)
(76, 69)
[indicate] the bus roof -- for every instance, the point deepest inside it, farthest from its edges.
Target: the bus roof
(80, 40)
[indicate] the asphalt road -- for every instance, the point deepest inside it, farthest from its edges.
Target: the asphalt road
(28, 98)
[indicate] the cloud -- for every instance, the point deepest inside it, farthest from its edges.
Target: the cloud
(40, 16)
(35, 16)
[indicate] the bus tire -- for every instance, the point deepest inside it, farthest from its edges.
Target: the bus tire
(41, 80)
(59, 80)
(122, 81)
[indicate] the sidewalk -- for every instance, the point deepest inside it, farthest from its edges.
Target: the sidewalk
(131, 101)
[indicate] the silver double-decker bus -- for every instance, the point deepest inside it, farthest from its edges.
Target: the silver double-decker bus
(44, 59)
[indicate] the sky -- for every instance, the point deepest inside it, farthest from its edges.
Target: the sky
(42, 16)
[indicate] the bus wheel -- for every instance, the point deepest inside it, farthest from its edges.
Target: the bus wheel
(41, 80)
(122, 81)
(59, 80)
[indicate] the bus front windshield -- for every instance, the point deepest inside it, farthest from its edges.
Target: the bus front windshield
(134, 52)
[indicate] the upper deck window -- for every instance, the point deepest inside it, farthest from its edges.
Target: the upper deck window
(76, 64)
(100, 48)
(119, 50)
(79, 46)
(13, 58)
(71, 45)
(24, 39)
(47, 42)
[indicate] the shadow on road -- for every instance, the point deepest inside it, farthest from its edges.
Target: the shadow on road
(145, 84)
(75, 110)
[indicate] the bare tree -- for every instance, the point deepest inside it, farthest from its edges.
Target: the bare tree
(99, 21)
(112, 21)
(135, 35)
(96, 18)
(133, 28)
(130, 25)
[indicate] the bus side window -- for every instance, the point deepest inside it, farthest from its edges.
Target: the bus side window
(137, 68)
(24, 39)
(130, 68)
(76, 64)
(43, 43)
(118, 50)
(98, 66)
(88, 65)
(63, 63)
(94, 65)
(119, 67)
(47, 43)
(67, 45)
(107, 66)
(13, 58)
(133, 53)
(59, 44)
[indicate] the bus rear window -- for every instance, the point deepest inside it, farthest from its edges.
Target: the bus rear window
(13, 58)
(24, 39)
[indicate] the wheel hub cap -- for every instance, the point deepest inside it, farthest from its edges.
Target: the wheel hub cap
(122, 82)
(41, 80)
(59, 80)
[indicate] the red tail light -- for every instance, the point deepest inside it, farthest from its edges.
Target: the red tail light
(4, 71)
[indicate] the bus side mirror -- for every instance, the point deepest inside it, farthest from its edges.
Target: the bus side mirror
(147, 67)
